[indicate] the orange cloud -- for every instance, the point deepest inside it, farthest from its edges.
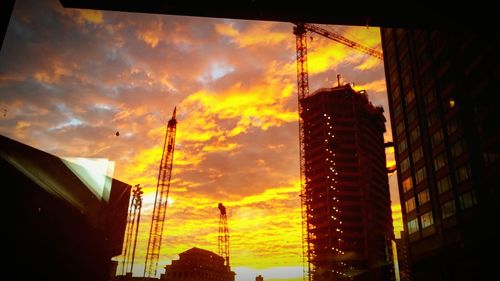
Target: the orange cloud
(83, 16)
(151, 34)
(22, 125)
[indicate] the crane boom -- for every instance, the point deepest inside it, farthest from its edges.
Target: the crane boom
(341, 39)
(161, 200)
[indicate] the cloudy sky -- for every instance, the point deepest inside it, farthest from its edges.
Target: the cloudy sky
(70, 79)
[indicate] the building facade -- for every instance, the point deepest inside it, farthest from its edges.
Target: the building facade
(198, 264)
(348, 202)
(443, 104)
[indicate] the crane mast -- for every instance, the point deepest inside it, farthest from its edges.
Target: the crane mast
(161, 200)
(300, 31)
(223, 241)
(132, 230)
(302, 92)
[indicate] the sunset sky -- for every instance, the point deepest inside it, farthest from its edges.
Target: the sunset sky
(70, 79)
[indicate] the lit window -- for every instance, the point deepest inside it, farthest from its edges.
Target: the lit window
(426, 219)
(407, 184)
(423, 197)
(451, 102)
(420, 175)
(467, 199)
(412, 226)
(448, 209)
(410, 204)
(444, 184)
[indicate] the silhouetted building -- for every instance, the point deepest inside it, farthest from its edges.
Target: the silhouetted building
(59, 226)
(128, 277)
(198, 265)
(403, 258)
(259, 278)
(442, 89)
(348, 201)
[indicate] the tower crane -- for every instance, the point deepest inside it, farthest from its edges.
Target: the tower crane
(132, 230)
(300, 31)
(161, 200)
(223, 241)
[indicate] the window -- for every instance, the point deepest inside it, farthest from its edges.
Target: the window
(426, 220)
(414, 134)
(407, 184)
(420, 175)
(400, 128)
(405, 164)
(412, 226)
(417, 154)
(467, 199)
(410, 205)
(463, 173)
(402, 146)
(432, 118)
(444, 184)
(452, 126)
(458, 148)
(423, 197)
(429, 97)
(490, 157)
(397, 110)
(439, 161)
(437, 138)
(410, 95)
(395, 92)
(448, 209)
(412, 115)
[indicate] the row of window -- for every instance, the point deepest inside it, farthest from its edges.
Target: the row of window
(423, 198)
(462, 174)
(426, 220)
(448, 209)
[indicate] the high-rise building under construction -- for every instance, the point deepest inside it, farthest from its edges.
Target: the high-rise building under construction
(349, 223)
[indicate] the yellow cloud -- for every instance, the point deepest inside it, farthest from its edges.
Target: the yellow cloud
(370, 63)
(90, 16)
(22, 125)
(374, 86)
(82, 17)
(226, 29)
(259, 33)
